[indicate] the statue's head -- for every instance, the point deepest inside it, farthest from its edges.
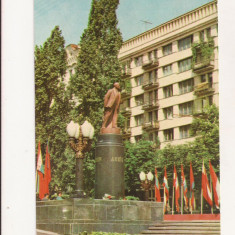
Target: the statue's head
(116, 84)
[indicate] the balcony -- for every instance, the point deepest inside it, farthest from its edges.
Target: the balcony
(126, 73)
(150, 85)
(147, 126)
(204, 88)
(126, 111)
(149, 64)
(150, 105)
(125, 94)
(203, 66)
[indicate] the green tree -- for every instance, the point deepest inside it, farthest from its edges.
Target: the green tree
(52, 105)
(96, 71)
(140, 156)
(206, 129)
(97, 66)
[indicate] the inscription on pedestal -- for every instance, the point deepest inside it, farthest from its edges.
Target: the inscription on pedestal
(109, 166)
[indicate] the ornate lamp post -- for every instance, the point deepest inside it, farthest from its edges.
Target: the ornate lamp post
(146, 182)
(80, 141)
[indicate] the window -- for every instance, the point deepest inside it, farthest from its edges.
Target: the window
(184, 131)
(155, 94)
(203, 78)
(167, 70)
(168, 112)
(139, 119)
(139, 99)
(200, 104)
(202, 36)
(152, 76)
(167, 49)
(207, 78)
(150, 117)
(150, 97)
(168, 91)
(185, 43)
(185, 64)
(155, 115)
(210, 79)
(186, 108)
(155, 54)
(152, 55)
(138, 61)
(168, 134)
(139, 80)
(208, 33)
(186, 86)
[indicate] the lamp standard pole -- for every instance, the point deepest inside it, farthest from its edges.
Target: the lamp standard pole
(80, 146)
(146, 182)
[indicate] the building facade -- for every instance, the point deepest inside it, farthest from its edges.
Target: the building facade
(72, 51)
(169, 73)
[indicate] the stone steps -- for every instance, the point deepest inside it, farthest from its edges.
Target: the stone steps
(184, 227)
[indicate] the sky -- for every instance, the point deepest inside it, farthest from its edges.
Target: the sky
(72, 16)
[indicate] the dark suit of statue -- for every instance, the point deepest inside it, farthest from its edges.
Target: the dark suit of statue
(112, 101)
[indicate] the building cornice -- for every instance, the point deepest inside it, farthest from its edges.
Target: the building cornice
(194, 16)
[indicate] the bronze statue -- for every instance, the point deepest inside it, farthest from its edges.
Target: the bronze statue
(112, 101)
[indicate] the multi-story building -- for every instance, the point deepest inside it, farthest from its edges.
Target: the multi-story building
(169, 73)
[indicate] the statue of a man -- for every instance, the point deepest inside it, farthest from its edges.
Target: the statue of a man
(112, 101)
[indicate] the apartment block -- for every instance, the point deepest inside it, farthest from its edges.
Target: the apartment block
(169, 73)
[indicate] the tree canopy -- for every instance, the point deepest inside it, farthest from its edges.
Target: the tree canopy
(97, 65)
(52, 106)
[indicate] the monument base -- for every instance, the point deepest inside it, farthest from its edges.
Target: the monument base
(72, 216)
(109, 173)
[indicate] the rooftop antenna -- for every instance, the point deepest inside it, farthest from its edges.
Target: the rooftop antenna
(146, 23)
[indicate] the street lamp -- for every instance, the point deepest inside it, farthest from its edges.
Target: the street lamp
(80, 141)
(146, 182)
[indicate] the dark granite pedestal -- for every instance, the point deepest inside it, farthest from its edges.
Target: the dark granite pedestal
(109, 172)
(72, 216)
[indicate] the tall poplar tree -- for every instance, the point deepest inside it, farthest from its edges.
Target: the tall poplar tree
(98, 66)
(52, 105)
(97, 69)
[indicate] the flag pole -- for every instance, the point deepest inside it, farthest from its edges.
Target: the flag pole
(173, 198)
(164, 201)
(182, 202)
(201, 201)
(211, 195)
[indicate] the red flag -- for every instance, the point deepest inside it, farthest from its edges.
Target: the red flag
(184, 185)
(216, 186)
(205, 186)
(40, 172)
(157, 188)
(47, 175)
(192, 186)
(177, 189)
